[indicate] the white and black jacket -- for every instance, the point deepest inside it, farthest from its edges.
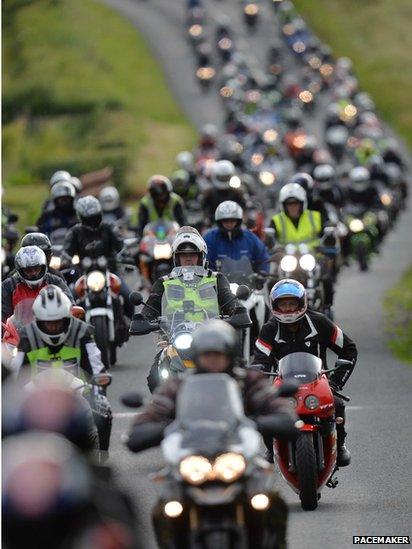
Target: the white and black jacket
(315, 335)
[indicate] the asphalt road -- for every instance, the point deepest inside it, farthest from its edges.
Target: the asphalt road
(374, 494)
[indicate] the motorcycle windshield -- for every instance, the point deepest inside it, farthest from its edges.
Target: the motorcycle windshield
(23, 312)
(70, 365)
(188, 299)
(303, 367)
(160, 229)
(209, 399)
(237, 271)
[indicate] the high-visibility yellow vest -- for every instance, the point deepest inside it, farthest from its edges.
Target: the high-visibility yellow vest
(167, 213)
(308, 229)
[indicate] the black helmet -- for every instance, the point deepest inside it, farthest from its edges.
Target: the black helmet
(40, 240)
(304, 180)
(215, 336)
(159, 187)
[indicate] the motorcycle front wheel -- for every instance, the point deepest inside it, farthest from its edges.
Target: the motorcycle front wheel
(306, 468)
(101, 337)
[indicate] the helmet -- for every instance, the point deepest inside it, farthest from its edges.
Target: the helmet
(229, 210)
(185, 161)
(40, 240)
(52, 304)
(324, 175)
(215, 336)
(159, 188)
(62, 189)
(293, 191)
(60, 175)
(109, 199)
(181, 181)
(188, 239)
(222, 172)
(77, 184)
(208, 135)
(359, 178)
(288, 287)
(28, 258)
(304, 180)
(89, 211)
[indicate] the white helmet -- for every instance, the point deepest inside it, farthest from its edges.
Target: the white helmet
(185, 161)
(222, 172)
(292, 191)
(324, 175)
(188, 239)
(61, 189)
(89, 211)
(109, 198)
(52, 304)
(60, 175)
(28, 258)
(228, 210)
(359, 179)
(77, 184)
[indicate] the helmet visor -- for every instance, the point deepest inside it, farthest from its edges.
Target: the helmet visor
(54, 327)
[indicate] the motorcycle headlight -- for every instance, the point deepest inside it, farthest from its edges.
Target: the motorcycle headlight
(267, 178)
(75, 260)
(386, 199)
(306, 96)
(235, 182)
(195, 30)
(95, 281)
(183, 342)
(356, 225)
(205, 73)
(311, 402)
(164, 373)
(288, 263)
(234, 287)
(195, 469)
(55, 262)
(307, 262)
(162, 251)
(251, 9)
(229, 467)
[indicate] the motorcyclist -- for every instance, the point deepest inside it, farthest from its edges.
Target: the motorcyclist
(63, 213)
(186, 161)
(232, 240)
(207, 142)
(214, 350)
(305, 180)
(189, 250)
(326, 187)
(109, 199)
(30, 277)
(54, 335)
(223, 180)
(42, 241)
(160, 202)
(93, 237)
(361, 190)
(293, 328)
(297, 224)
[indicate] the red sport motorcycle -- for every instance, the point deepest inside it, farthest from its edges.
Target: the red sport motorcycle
(309, 462)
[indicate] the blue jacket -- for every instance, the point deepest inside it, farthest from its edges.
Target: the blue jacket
(219, 246)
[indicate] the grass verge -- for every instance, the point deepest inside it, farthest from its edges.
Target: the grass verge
(376, 35)
(81, 91)
(398, 307)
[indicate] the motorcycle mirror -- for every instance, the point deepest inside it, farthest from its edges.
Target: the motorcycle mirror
(342, 362)
(288, 388)
(135, 298)
(243, 292)
(141, 326)
(102, 380)
(132, 400)
(277, 426)
(13, 218)
(146, 436)
(78, 312)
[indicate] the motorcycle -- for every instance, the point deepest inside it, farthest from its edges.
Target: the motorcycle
(98, 291)
(240, 272)
(362, 238)
(309, 463)
(155, 249)
(216, 489)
